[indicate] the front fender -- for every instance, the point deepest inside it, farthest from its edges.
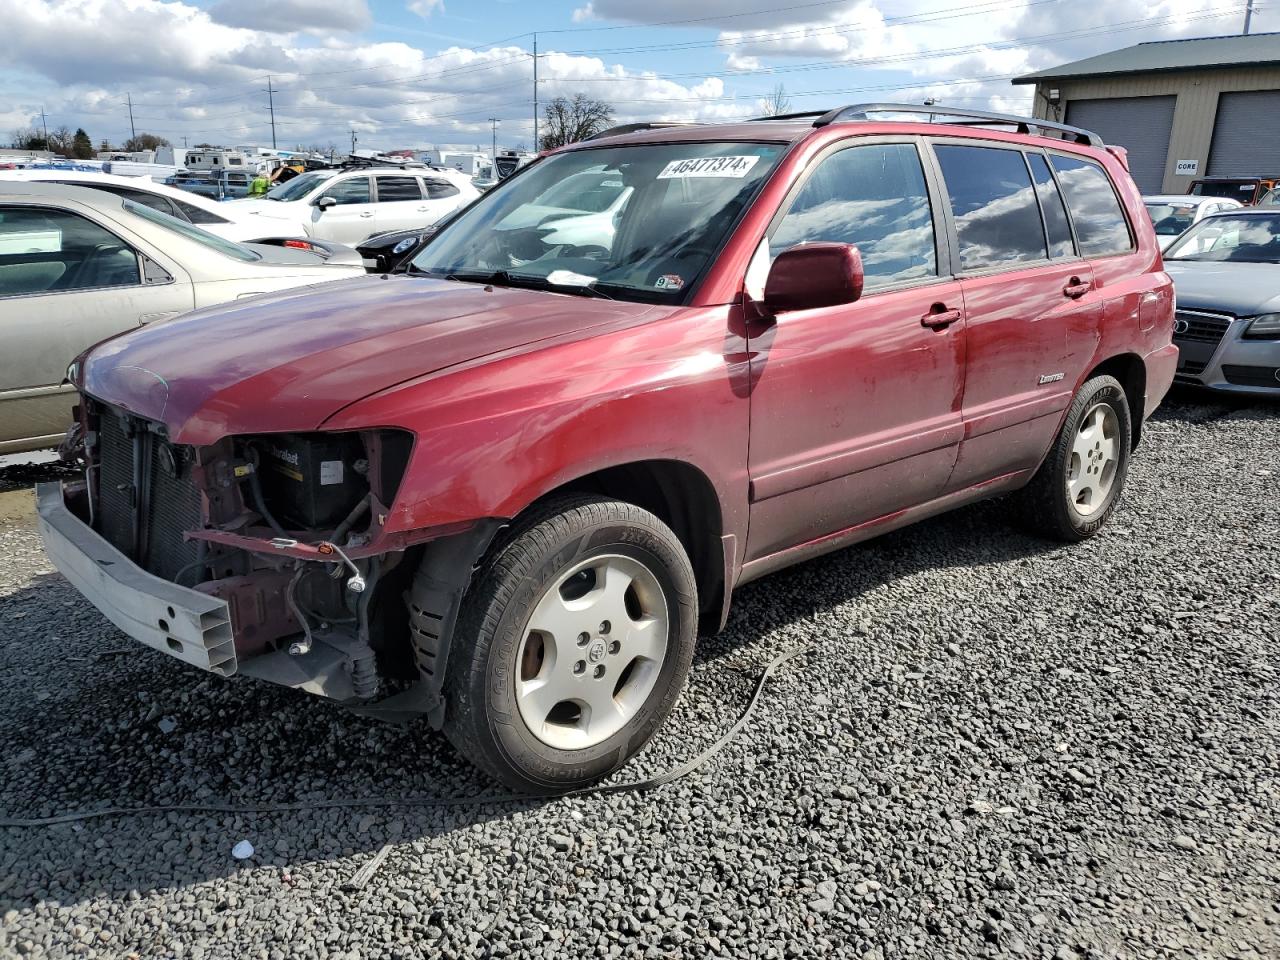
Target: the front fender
(495, 436)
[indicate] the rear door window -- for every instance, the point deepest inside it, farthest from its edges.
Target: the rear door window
(994, 205)
(391, 189)
(872, 196)
(440, 189)
(1101, 227)
(1056, 226)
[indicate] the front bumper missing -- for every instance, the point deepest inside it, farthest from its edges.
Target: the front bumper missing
(179, 621)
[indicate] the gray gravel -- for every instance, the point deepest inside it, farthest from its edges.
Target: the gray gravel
(999, 747)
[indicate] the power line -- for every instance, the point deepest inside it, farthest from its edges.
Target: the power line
(271, 105)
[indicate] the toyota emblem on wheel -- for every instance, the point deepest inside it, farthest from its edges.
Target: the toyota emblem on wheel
(1181, 326)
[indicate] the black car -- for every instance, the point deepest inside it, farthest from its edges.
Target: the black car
(384, 252)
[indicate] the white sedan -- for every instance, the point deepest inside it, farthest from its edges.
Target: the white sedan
(223, 219)
(78, 266)
(349, 206)
(1174, 214)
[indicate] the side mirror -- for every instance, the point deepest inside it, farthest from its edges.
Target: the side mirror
(814, 275)
(324, 203)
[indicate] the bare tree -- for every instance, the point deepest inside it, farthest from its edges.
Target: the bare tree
(145, 141)
(776, 102)
(62, 141)
(28, 138)
(569, 121)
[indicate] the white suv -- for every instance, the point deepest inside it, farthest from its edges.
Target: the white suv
(348, 206)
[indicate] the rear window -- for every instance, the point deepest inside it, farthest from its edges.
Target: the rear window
(994, 205)
(198, 214)
(227, 248)
(1100, 225)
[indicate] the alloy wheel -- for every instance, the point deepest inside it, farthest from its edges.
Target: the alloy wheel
(592, 652)
(1095, 454)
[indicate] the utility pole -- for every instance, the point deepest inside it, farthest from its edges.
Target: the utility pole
(44, 125)
(133, 132)
(184, 143)
(353, 141)
(494, 155)
(536, 143)
(1248, 16)
(271, 105)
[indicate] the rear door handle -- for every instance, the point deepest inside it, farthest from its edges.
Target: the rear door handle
(940, 317)
(367, 214)
(1076, 289)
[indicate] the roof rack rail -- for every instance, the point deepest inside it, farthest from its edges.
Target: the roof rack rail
(963, 117)
(636, 128)
(801, 115)
(359, 163)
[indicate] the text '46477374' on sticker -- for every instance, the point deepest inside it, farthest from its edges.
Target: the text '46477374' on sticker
(734, 167)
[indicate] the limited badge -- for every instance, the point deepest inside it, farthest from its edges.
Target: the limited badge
(670, 281)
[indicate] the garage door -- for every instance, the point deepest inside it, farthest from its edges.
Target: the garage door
(1139, 124)
(1246, 136)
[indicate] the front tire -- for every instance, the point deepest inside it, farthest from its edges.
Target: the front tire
(572, 644)
(1080, 482)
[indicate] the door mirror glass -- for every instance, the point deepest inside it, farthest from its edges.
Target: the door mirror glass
(812, 275)
(324, 203)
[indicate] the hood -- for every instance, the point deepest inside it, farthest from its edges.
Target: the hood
(289, 361)
(1241, 289)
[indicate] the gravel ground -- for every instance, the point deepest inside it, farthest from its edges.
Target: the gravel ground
(997, 747)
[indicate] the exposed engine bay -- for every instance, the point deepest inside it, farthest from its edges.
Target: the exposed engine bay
(284, 528)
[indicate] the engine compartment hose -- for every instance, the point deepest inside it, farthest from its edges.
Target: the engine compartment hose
(255, 489)
(419, 800)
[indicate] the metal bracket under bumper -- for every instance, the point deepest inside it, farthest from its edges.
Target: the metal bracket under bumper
(179, 621)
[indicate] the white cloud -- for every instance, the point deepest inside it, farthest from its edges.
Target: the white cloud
(292, 16)
(425, 8)
(79, 58)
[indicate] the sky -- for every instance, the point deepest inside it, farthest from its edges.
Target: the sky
(421, 73)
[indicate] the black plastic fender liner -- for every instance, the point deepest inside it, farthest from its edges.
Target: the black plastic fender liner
(434, 599)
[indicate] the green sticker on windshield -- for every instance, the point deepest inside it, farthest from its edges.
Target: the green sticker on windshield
(732, 167)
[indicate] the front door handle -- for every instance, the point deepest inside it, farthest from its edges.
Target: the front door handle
(1075, 288)
(367, 214)
(940, 316)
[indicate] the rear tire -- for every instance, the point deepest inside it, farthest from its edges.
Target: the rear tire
(1080, 482)
(572, 644)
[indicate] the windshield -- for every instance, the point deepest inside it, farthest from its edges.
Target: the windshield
(588, 192)
(297, 188)
(1170, 219)
(1240, 190)
(228, 248)
(1224, 238)
(683, 200)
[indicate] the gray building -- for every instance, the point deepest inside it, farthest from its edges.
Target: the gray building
(1182, 108)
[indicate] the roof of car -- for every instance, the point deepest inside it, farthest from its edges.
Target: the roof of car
(40, 190)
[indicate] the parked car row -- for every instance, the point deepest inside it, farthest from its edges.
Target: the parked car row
(80, 265)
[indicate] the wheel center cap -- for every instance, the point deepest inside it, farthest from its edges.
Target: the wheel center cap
(596, 652)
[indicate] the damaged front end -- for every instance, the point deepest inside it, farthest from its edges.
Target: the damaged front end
(262, 555)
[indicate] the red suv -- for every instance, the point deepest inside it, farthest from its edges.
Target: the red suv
(510, 486)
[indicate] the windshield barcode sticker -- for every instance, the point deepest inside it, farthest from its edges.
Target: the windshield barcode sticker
(735, 167)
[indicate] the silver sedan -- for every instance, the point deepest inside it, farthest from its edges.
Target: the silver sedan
(1226, 274)
(78, 266)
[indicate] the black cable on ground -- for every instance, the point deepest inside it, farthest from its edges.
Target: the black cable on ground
(668, 776)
